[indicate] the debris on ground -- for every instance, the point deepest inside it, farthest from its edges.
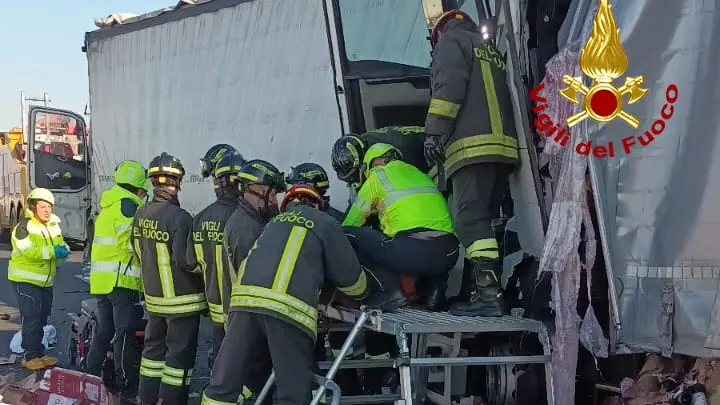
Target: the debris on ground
(8, 360)
(57, 386)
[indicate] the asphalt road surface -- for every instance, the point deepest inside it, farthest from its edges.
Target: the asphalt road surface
(70, 289)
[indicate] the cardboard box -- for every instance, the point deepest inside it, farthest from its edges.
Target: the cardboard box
(67, 387)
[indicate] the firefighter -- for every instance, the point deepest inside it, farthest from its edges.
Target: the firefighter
(348, 151)
(207, 238)
(314, 175)
(115, 276)
(259, 183)
(37, 247)
(174, 292)
(274, 300)
(471, 135)
(416, 234)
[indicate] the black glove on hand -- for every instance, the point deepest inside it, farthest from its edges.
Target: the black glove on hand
(434, 150)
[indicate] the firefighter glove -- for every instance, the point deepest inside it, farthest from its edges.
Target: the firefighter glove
(434, 150)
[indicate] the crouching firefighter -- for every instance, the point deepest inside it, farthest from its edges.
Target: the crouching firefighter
(208, 234)
(174, 296)
(115, 277)
(416, 233)
(472, 139)
(315, 175)
(274, 301)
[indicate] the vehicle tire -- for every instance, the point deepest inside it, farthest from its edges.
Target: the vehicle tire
(519, 384)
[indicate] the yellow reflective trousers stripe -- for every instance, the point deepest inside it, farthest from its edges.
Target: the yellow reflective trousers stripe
(483, 248)
(176, 377)
(151, 368)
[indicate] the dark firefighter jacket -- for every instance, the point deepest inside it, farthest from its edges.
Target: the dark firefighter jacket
(173, 284)
(206, 241)
(241, 230)
(408, 140)
(288, 264)
(337, 215)
(470, 106)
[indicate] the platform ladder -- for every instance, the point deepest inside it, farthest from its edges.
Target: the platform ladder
(412, 328)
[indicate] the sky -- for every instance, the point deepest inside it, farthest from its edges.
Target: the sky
(40, 50)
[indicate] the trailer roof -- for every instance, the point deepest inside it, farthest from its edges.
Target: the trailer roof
(183, 9)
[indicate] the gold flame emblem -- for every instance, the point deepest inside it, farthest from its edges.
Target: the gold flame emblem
(603, 59)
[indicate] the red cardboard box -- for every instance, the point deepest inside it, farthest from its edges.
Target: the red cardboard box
(67, 387)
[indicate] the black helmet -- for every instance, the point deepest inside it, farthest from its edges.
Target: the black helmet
(230, 164)
(167, 165)
(258, 171)
(208, 162)
(347, 156)
(309, 173)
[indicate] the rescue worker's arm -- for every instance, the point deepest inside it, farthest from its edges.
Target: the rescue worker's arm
(180, 259)
(238, 243)
(449, 78)
(364, 205)
(342, 266)
(123, 224)
(24, 246)
(192, 257)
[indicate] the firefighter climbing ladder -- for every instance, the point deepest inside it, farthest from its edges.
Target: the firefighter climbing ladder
(411, 328)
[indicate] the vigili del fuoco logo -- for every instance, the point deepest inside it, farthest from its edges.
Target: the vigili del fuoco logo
(603, 60)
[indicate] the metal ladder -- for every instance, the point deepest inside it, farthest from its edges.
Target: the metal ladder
(411, 327)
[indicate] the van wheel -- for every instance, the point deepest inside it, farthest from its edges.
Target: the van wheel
(518, 384)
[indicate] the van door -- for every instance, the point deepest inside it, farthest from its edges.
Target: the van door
(58, 160)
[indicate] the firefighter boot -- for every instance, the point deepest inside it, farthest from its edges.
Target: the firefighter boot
(466, 284)
(486, 297)
(433, 293)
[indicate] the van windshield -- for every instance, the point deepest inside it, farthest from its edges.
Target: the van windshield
(389, 30)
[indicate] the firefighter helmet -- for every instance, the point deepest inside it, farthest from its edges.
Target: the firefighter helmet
(309, 173)
(259, 171)
(442, 20)
(41, 194)
(230, 164)
(133, 174)
(379, 150)
(347, 157)
(166, 170)
(306, 194)
(211, 158)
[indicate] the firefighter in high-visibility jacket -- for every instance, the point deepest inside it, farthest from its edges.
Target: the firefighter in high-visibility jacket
(315, 175)
(274, 301)
(416, 235)
(115, 276)
(471, 136)
(174, 291)
(348, 151)
(207, 236)
(37, 247)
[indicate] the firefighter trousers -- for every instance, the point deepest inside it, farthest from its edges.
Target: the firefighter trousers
(250, 338)
(34, 304)
(118, 318)
(168, 358)
(475, 200)
(217, 338)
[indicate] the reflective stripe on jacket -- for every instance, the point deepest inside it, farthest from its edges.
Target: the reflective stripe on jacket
(403, 199)
(33, 255)
(173, 284)
(284, 271)
(207, 236)
(113, 262)
(471, 107)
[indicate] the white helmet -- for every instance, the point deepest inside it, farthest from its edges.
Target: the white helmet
(42, 194)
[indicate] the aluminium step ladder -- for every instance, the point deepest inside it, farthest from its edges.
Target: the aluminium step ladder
(412, 327)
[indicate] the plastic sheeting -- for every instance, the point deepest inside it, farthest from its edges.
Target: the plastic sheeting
(255, 74)
(658, 205)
